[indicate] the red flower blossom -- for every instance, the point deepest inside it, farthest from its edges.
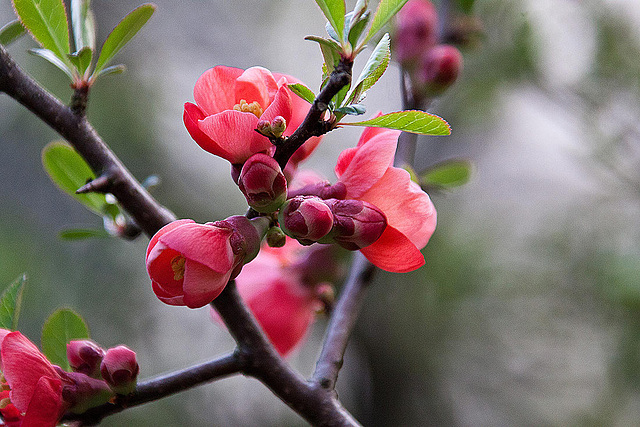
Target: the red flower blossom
(36, 387)
(229, 104)
(368, 174)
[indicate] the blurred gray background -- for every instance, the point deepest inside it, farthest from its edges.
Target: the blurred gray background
(528, 309)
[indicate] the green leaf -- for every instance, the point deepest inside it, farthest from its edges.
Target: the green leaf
(82, 59)
(449, 174)
(82, 233)
(62, 326)
(373, 69)
(46, 20)
(302, 91)
(123, 32)
(354, 109)
(357, 26)
(84, 24)
(330, 52)
(409, 121)
(68, 170)
(10, 302)
(53, 58)
(113, 69)
(334, 11)
(11, 32)
(385, 11)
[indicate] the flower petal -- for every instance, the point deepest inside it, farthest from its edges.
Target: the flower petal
(165, 230)
(408, 209)
(394, 252)
(166, 297)
(191, 117)
(23, 366)
(215, 89)
(281, 106)
(234, 132)
(256, 84)
(201, 284)
(159, 267)
(206, 244)
(45, 407)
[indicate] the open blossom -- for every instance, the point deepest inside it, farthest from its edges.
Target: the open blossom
(229, 104)
(35, 386)
(190, 264)
(368, 174)
(273, 286)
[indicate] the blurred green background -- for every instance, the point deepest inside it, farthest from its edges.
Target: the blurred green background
(528, 309)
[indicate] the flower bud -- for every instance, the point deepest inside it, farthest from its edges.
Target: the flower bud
(81, 392)
(85, 356)
(356, 224)
(439, 69)
(264, 127)
(306, 218)
(246, 237)
(120, 369)
(278, 126)
(263, 183)
(276, 237)
(415, 33)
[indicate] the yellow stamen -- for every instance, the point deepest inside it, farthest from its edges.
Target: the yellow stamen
(5, 402)
(177, 265)
(245, 107)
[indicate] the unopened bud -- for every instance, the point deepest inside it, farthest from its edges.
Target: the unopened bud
(356, 224)
(264, 127)
(120, 369)
(85, 356)
(416, 25)
(306, 218)
(263, 183)
(439, 69)
(246, 238)
(81, 392)
(278, 126)
(276, 237)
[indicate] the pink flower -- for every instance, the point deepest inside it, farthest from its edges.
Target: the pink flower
(272, 286)
(368, 174)
(415, 32)
(229, 104)
(36, 387)
(190, 264)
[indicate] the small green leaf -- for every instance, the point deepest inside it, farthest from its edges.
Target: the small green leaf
(82, 59)
(302, 91)
(62, 326)
(10, 302)
(354, 109)
(68, 170)
(334, 11)
(113, 69)
(330, 52)
(82, 233)
(123, 32)
(385, 11)
(11, 32)
(53, 59)
(356, 27)
(409, 121)
(46, 20)
(84, 24)
(373, 69)
(449, 174)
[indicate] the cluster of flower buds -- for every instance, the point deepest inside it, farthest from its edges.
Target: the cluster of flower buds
(37, 393)
(432, 67)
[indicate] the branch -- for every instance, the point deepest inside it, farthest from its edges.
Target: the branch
(313, 124)
(318, 406)
(163, 386)
(75, 128)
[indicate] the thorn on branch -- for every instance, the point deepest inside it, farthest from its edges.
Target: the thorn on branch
(101, 184)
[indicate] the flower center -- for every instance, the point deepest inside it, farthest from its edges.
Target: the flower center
(177, 266)
(245, 107)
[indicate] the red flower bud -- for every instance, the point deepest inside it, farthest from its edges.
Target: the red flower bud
(356, 224)
(85, 356)
(81, 392)
(264, 127)
(263, 183)
(439, 69)
(416, 27)
(306, 218)
(120, 369)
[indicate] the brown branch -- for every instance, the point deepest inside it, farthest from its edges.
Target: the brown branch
(75, 128)
(163, 386)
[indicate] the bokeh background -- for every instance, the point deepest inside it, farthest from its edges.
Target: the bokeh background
(528, 309)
